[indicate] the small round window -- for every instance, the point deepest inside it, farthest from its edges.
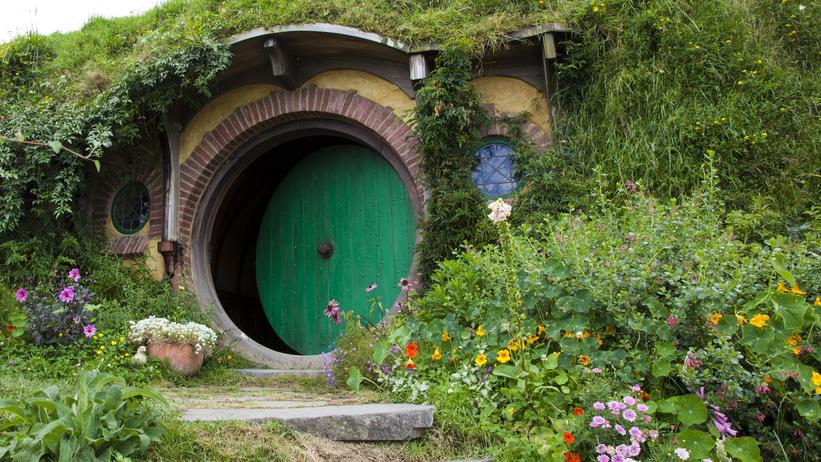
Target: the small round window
(495, 174)
(130, 209)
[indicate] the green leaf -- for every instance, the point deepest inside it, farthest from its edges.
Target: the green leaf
(662, 368)
(380, 352)
(664, 349)
(759, 340)
(809, 409)
(505, 370)
(780, 266)
(743, 448)
(97, 165)
(561, 379)
(697, 442)
(55, 146)
(552, 361)
(791, 308)
(354, 379)
(691, 410)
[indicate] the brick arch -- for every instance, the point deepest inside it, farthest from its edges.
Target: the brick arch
(498, 128)
(199, 169)
(146, 173)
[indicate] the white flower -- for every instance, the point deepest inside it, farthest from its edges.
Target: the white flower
(682, 453)
(499, 210)
(801, 7)
(161, 330)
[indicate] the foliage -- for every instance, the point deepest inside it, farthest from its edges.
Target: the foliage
(647, 88)
(447, 119)
(103, 418)
(648, 292)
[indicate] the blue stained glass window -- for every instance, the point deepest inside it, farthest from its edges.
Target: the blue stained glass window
(495, 174)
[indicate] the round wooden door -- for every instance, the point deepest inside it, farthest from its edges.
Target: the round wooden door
(339, 221)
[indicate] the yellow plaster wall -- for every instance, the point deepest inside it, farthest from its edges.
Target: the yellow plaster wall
(153, 259)
(512, 95)
(216, 111)
(368, 86)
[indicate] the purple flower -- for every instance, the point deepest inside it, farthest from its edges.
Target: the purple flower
(635, 432)
(74, 274)
(618, 459)
(653, 434)
(629, 400)
(621, 431)
(597, 421)
(66, 295)
(405, 284)
(603, 458)
(89, 330)
(642, 408)
(636, 388)
(370, 288)
(601, 449)
(598, 405)
(634, 450)
(597, 370)
(682, 453)
(629, 415)
(11, 362)
(332, 311)
(622, 450)
(647, 419)
(22, 295)
(76, 319)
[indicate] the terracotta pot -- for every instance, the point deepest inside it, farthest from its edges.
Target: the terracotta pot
(180, 357)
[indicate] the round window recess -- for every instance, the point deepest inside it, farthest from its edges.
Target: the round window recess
(130, 209)
(495, 173)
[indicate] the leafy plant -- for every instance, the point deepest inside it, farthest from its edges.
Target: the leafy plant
(103, 417)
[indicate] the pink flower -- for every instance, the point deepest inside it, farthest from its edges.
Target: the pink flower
(601, 449)
(66, 295)
(760, 417)
(629, 415)
(597, 370)
(629, 400)
(371, 287)
(636, 388)
(621, 431)
(89, 330)
(672, 321)
(642, 408)
(74, 274)
(598, 405)
(332, 311)
(603, 458)
(597, 421)
(405, 285)
(22, 295)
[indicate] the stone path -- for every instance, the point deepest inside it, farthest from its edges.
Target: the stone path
(338, 415)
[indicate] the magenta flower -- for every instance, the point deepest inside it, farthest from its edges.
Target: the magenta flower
(74, 274)
(598, 405)
(371, 287)
(629, 415)
(22, 295)
(636, 388)
(597, 370)
(603, 458)
(642, 408)
(629, 400)
(672, 321)
(89, 330)
(332, 311)
(66, 295)
(621, 431)
(405, 284)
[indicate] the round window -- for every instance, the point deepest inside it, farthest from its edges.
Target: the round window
(129, 211)
(495, 174)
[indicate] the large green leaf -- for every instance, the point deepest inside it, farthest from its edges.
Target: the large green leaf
(697, 442)
(809, 409)
(791, 308)
(662, 367)
(744, 449)
(690, 410)
(780, 266)
(380, 352)
(505, 370)
(354, 379)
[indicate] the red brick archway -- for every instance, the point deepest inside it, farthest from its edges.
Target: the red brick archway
(279, 107)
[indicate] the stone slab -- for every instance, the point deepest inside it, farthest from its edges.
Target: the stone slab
(357, 422)
(278, 372)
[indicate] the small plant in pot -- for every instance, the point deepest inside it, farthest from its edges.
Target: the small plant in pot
(183, 345)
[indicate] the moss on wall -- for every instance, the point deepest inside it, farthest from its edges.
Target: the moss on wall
(368, 86)
(216, 111)
(513, 96)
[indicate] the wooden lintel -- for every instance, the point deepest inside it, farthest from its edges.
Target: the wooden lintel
(418, 66)
(549, 46)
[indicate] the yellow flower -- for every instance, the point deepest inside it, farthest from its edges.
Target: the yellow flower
(102, 347)
(760, 320)
(229, 357)
(741, 319)
(715, 318)
(567, 334)
(531, 339)
(584, 360)
(818, 391)
(540, 330)
(445, 336)
(793, 340)
(796, 351)
(595, 9)
(817, 301)
(609, 330)
(480, 331)
(113, 343)
(436, 356)
(122, 339)
(797, 290)
(60, 334)
(481, 360)
(503, 356)
(99, 352)
(767, 379)
(782, 287)
(816, 379)
(515, 345)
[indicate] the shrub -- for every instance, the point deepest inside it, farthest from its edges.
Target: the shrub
(103, 418)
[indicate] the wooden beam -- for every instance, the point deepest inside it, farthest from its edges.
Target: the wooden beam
(549, 46)
(418, 66)
(280, 65)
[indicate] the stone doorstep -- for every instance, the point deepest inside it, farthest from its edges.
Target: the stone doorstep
(358, 422)
(278, 372)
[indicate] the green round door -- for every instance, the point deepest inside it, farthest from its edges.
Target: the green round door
(339, 221)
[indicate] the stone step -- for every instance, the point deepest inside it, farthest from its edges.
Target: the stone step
(278, 372)
(356, 422)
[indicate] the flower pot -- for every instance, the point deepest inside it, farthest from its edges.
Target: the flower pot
(180, 357)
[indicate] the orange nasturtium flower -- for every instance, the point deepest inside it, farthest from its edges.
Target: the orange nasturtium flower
(760, 320)
(531, 339)
(793, 339)
(411, 350)
(568, 438)
(445, 336)
(767, 379)
(578, 412)
(782, 287)
(817, 301)
(540, 330)
(503, 356)
(741, 319)
(480, 331)
(436, 356)
(584, 360)
(410, 364)
(481, 360)
(797, 290)
(715, 318)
